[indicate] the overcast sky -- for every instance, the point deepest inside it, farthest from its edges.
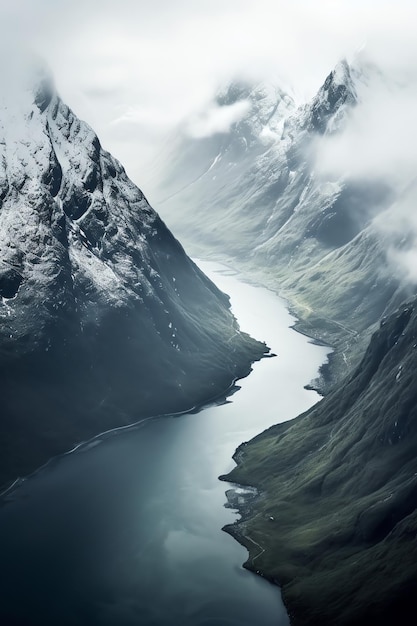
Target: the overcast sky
(134, 68)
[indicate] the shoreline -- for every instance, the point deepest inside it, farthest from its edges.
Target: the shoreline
(338, 520)
(217, 398)
(319, 330)
(238, 531)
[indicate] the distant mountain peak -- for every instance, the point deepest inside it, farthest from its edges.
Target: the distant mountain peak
(337, 91)
(341, 73)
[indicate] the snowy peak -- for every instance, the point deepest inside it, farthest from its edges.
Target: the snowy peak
(336, 94)
(342, 90)
(338, 88)
(340, 75)
(49, 158)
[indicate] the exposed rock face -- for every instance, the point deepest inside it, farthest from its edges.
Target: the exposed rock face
(259, 197)
(338, 519)
(103, 317)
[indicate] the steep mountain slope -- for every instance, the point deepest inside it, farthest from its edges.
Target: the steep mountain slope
(104, 319)
(307, 234)
(336, 521)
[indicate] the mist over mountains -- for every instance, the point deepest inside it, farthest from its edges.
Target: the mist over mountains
(280, 192)
(106, 320)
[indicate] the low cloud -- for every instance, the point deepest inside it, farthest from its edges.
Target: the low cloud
(405, 262)
(217, 119)
(378, 144)
(398, 228)
(380, 137)
(162, 61)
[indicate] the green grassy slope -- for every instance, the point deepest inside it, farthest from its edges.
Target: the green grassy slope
(336, 521)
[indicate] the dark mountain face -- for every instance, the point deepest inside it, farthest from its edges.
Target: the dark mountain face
(104, 319)
(338, 518)
(309, 235)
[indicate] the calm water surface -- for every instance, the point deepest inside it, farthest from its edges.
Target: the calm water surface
(127, 529)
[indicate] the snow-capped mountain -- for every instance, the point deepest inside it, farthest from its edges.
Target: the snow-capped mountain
(257, 195)
(104, 318)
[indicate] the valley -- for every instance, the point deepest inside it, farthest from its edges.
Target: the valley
(129, 379)
(334, 522)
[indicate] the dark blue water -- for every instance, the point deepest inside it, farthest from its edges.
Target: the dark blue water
(126, 530)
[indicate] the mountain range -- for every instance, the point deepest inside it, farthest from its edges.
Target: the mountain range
(105, 321)
(258, 193)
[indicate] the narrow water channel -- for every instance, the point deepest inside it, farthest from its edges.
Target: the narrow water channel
(126, 530)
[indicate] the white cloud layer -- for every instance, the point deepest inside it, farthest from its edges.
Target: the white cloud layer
(380, 139)
(216, 119)
(133, 68)
(404, 263)
(398, 228)
(379, 144)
